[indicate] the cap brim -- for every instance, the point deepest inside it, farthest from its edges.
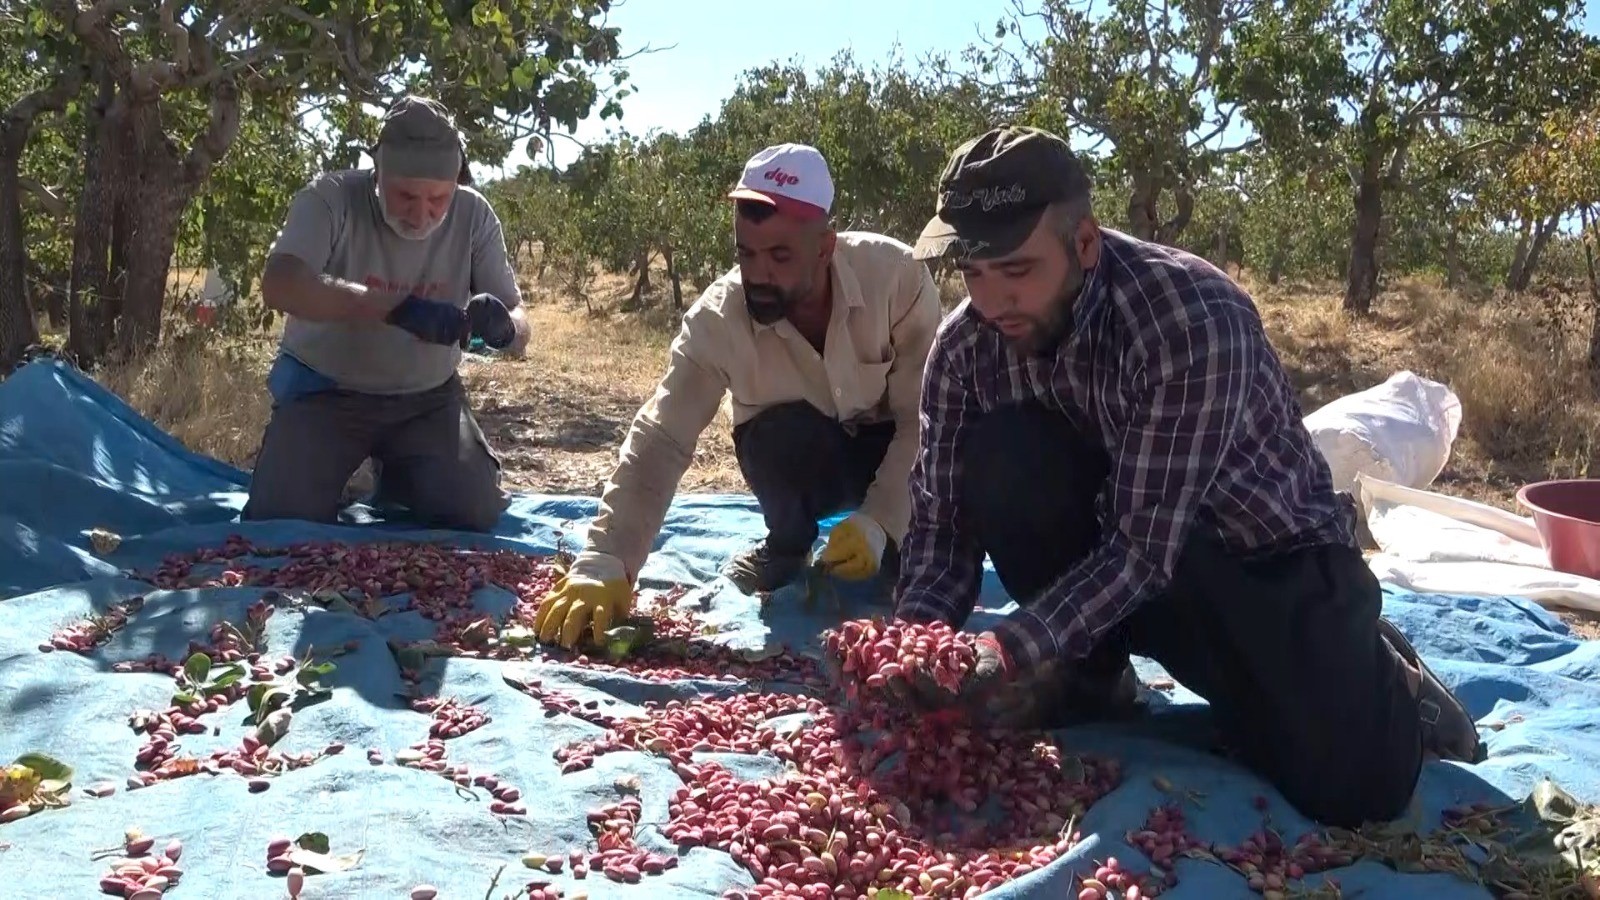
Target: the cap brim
(973, 241)
(799, 209)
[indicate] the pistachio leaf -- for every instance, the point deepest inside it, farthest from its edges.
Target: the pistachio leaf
(620, 641)
(315, 841)
(197, 667)
(48, 768)
(227, 678)
(518, 636)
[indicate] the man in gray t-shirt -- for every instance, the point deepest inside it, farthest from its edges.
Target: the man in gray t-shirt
(385, 275)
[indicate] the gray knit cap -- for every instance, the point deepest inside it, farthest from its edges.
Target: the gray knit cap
(419, 140)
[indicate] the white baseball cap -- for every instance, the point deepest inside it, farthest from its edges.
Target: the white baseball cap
(792, 177)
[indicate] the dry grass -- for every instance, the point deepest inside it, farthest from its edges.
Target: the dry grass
(1517, 364)
(559, 415)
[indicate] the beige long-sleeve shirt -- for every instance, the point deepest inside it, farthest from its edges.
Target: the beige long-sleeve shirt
(885, 313)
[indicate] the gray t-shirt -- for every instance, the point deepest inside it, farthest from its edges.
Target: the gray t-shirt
(335, 226)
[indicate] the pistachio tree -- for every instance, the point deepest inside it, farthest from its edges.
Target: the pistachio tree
(1363, 81)
(170, 85)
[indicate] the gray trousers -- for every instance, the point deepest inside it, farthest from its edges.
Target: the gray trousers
(435, 460)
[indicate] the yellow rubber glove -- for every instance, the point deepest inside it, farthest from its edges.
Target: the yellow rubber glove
(855, 548)
(595, 593)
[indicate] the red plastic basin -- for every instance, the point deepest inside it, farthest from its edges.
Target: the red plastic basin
(1567, 514)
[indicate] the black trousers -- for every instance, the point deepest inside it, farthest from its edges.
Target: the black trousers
(1284, 648)
(803, 466)
(436, 460)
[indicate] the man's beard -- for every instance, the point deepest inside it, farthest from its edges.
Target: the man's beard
(408, 232)
(769, 303)
(1048, 331)
(401, 228)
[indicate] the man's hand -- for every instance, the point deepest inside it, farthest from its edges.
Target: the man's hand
(595, 593)
(989, 674)
(490, 320)
(855, 548)
(433, 321)
(983, 688)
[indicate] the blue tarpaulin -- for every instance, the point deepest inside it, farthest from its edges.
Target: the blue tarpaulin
(74, 458)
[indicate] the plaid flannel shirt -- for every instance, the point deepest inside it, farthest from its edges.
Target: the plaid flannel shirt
(1168, 364)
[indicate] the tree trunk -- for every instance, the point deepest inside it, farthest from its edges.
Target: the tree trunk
(1591, 233)
(157, 194)
(18, 328)
(1361, 277)
(1276, 262)
(49, 289)
(677, 280)
(1530, 263)
(161, 183)
(1219, 246)
(1143, 214)
(1452, 258)
(1169, 230)
(641, 283)
(1519, 256)
(91, 301)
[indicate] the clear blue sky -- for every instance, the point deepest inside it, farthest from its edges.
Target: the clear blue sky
(708, 44)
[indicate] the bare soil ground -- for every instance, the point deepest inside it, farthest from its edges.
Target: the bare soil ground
(558, 417)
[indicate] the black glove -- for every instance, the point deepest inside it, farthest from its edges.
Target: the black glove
(432, 321)
(491, 320)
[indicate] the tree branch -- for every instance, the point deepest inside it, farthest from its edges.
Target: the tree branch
(222, 127)
(177, 36)
(53, 204)
(241, 14)
(343, 45)
(93, 27)
(52, 98)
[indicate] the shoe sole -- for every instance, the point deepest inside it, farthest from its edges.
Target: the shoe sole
(1430, 710)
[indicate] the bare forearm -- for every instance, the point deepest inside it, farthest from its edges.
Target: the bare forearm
(290, 286)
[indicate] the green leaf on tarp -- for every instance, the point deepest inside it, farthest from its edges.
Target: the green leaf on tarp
(309, 674)
(184, 698)
(48, 768)
(228, 678)
(409, 658)
(197, 667)
(264, 698)
(315, 841)
(519, 636)
(620, 641)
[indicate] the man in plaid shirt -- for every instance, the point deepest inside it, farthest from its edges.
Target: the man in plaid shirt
(1106, 419)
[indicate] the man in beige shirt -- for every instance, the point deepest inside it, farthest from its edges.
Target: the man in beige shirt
(821, 338)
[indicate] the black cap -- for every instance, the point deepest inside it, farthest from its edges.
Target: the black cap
(995, 188)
